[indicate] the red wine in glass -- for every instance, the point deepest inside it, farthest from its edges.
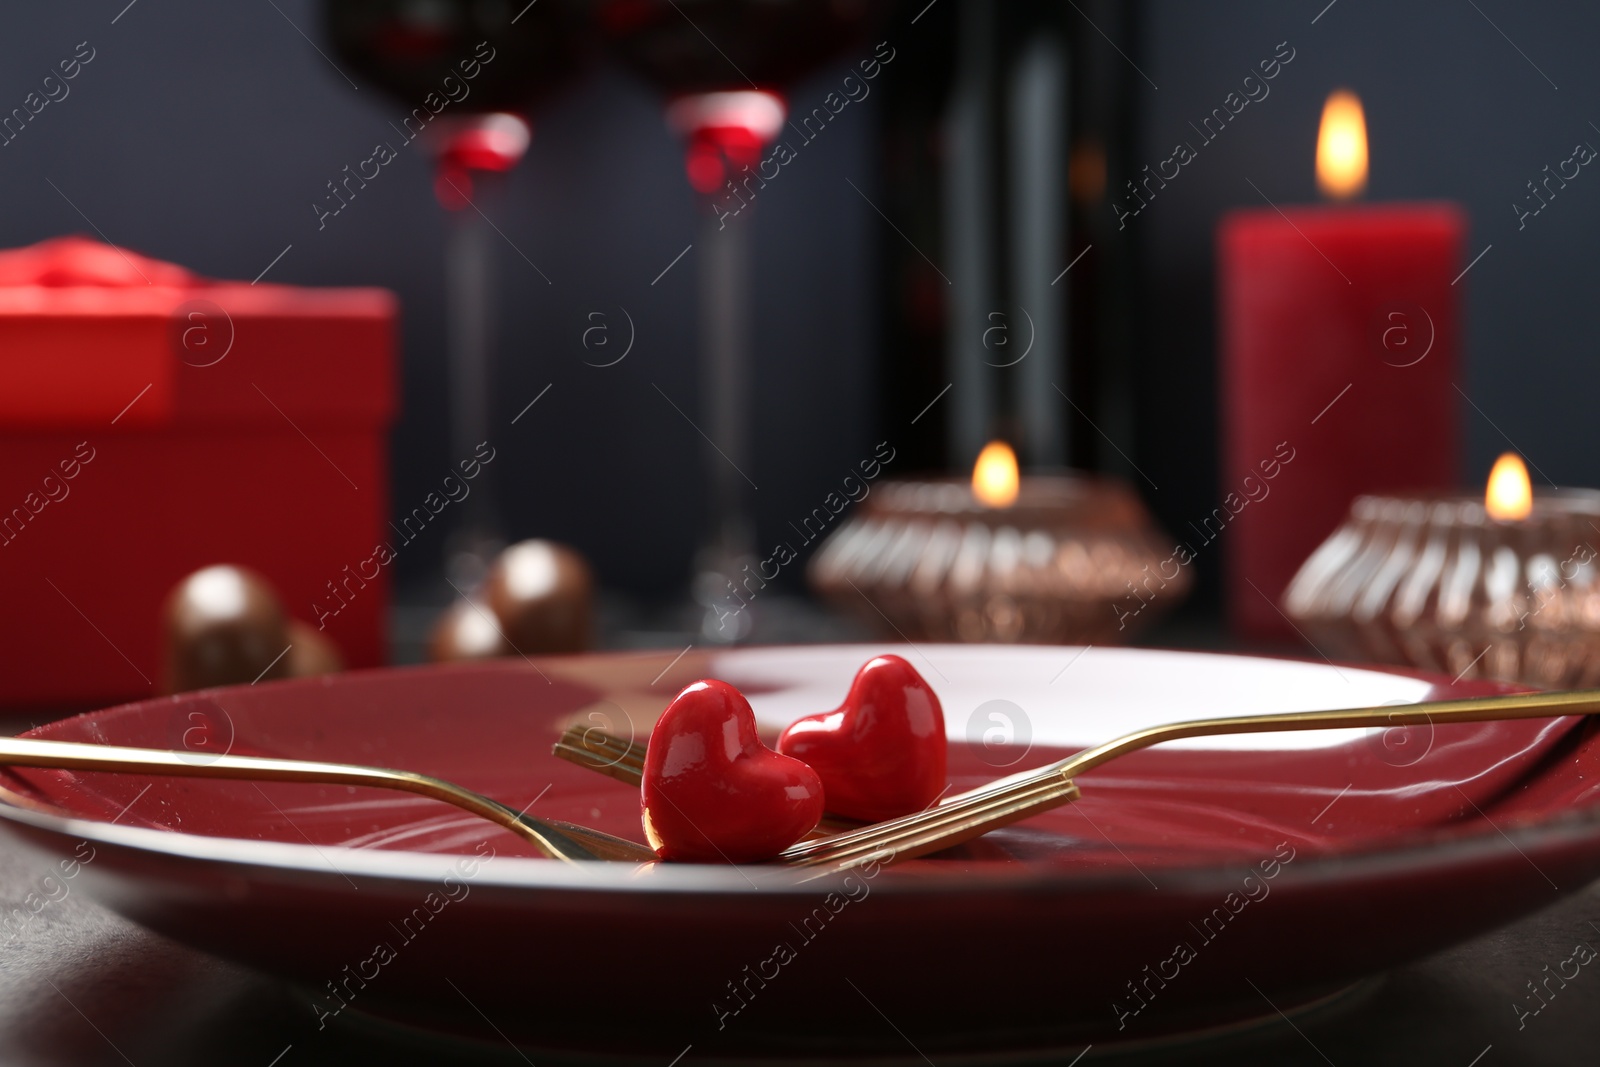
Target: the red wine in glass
(409, 47)
(698, 46)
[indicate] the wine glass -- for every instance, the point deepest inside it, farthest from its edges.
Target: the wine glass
(471, 71)
(724, 65)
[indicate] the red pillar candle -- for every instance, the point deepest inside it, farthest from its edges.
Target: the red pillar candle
(1339, 340)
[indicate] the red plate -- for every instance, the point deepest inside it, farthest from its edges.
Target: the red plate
(1196, 885)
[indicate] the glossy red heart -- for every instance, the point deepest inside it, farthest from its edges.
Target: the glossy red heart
(882, 752)
(712, 792)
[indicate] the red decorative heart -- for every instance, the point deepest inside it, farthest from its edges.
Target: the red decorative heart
(712, 792)
(882, 752)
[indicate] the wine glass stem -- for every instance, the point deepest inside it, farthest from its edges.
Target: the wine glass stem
(724, 297)
(469, 279)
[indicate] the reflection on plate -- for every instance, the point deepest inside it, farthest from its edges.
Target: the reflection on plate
(1193, 886)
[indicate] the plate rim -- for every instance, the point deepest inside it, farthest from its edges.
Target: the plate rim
(528, 873)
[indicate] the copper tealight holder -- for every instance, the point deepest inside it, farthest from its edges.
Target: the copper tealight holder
(1441, 584)
(1071, 560)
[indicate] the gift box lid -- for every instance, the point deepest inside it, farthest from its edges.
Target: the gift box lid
(92, 334)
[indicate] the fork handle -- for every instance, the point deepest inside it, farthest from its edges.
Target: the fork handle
(1473, 709)
(550, 838)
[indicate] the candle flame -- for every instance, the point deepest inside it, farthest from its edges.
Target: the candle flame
(1342, 147)
(994, 477)
(1510, 495)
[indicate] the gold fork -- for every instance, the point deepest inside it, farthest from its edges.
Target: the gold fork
(557, 840)
(965, 816)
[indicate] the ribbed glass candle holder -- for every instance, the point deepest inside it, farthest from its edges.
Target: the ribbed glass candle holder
(1435, 583)
(1073, 560)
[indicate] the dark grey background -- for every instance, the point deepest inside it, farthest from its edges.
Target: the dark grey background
(201, 133)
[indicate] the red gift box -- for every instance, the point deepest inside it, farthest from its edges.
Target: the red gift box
(153, 422)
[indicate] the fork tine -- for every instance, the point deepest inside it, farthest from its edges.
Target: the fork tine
(871, 838)
(601, 845)
(910, 841)
(951, 809)
(617, 764)
(597, 750)
(935, 828)
(595, 739)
